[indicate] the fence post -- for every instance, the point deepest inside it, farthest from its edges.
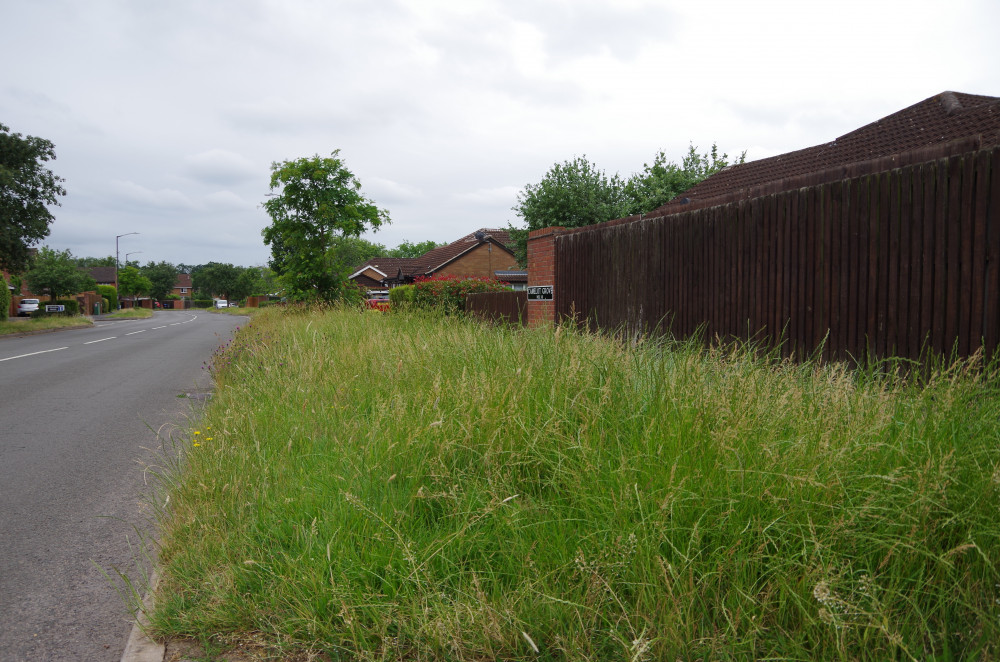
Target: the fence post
(542, 271)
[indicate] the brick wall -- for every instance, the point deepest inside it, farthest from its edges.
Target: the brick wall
(480, 262)
(542, 271)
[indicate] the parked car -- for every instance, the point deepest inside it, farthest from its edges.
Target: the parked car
(233, 304)
(221, 303)
(27, 306)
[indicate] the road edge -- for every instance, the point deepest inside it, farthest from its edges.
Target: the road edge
(140, 648)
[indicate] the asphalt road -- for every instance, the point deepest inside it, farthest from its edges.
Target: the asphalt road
(84, 413)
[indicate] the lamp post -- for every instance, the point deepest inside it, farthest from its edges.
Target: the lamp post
(117, 237)
(127, 254)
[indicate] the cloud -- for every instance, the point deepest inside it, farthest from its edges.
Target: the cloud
(219, 166)
(161, 199)
(386, 191)
(228, 200)
(490, 196)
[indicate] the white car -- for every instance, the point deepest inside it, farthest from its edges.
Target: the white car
(27, 306)
(221, 303)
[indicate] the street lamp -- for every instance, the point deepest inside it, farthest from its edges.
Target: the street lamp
(117, 237)
(127, 254)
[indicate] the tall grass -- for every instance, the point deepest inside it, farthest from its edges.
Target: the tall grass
(405, 487)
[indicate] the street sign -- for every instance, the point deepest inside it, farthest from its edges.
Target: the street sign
(50, 308)
(540, 293)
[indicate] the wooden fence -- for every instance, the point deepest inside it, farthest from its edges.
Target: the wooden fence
(888, 263)
(508, 307)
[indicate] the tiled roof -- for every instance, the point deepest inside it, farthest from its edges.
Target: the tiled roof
(940, 119)
(103, 275)
(183, 280)
(435, 259)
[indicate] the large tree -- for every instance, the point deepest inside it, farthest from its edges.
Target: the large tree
(216, 279)
(317, 201)
(162, 276)
(577, 193)
(131, 282)
(27, 188)
(55, 273)
(571, 194)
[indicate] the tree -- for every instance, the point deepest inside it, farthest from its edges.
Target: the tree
(55, 273)
(319, 201)
(108, 261)
(249, 281)
(408, 249)
(216, 279)
(347, 253)
(27, 187)
(162, 277)
(571, 194)
(664, 180)
(576, 193)
(131, 282)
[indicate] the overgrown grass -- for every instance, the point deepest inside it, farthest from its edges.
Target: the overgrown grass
(131, 314)
(28, 324)
(402, 487)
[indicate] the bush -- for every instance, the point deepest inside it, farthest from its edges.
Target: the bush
(202, 303)
(447, 293)
(72, 308)
(109, 293)
(401, 297)
(4, 298)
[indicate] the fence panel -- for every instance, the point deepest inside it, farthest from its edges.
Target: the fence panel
(880, 264)
(507, 307)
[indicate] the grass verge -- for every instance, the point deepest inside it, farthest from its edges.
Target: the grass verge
(28, 325)
(396, 487)
(130, 314)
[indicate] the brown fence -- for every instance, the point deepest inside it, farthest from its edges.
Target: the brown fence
(876, 265)
(509, 307)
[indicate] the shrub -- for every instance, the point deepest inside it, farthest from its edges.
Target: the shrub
(72, 308)
(4, 298)
(401, 297)
(109, 293)
(447, 293)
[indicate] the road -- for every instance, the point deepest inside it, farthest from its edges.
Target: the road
(83, 414)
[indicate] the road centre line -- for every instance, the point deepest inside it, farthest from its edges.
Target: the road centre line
(132, 333)
(101, 340)
(159, 327)
(44, 351)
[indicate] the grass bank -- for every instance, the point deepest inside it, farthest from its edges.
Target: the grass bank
(27, 324)
(389, 487)
(131, 314)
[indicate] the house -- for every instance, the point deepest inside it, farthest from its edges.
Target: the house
(183, 287)
(485, 253)
(103, 275)
(968, 121)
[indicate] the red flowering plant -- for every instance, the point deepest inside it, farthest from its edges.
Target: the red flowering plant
(447, 293)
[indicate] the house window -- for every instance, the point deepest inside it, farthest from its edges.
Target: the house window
(184, 290)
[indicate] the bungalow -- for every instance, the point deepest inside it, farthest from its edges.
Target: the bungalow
(485, 253)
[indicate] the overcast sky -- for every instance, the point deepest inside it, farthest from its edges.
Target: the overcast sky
(166, 117)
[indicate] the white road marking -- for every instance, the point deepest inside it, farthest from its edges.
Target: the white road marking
(101, 340)
(159, 327)
(132, 333)
(44, 351)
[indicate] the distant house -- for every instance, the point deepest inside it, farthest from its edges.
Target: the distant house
(485, 253)
(968, 121)
(183, 287)
(103, 275)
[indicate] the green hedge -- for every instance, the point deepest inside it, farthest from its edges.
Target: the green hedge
(72, 308)
(447, 293)
(111, 294)
(4, 298)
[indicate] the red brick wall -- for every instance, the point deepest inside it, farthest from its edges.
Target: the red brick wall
(542, 271)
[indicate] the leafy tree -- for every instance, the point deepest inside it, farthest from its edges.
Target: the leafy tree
(131, 282)
(408, 249)
(347, 253)
(27, 187)
(662, 181)
(576, 193)
(319, 201)
(4, 298)
(55, 273)
(571, 194)
(162, 276)
(216, 279)
(249, 281)
(89, 262)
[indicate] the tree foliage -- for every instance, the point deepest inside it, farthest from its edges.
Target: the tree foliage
(131, 282)
(318, 201)
(27, 188)
(409, 249)
(162, 277)
(55, 273)
(576, 193)
(216, 279)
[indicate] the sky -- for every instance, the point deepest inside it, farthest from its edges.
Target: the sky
(167, 117)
